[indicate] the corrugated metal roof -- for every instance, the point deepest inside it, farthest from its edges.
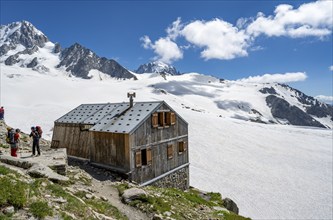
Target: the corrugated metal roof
(81, 113)
(128, 120)
(110, 117)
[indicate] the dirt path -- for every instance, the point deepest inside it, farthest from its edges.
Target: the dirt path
(109, 192)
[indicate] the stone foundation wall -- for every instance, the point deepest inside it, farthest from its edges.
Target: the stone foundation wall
(179, 179)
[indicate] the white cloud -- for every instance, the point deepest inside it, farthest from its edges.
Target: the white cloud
(220, 39)
(324, 98)
(331, 68)
(174, 30)
(310, 19)
(276, 78)
(167, 51)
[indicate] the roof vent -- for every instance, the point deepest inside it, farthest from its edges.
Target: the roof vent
(130, 95)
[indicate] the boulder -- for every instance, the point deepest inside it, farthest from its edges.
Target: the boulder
(230, 205)
(9, 210)
(40, 170)
(132, 194)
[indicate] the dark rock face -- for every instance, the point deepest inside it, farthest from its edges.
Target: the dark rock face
(280, 108)
(267, 90)
(320, 110)
(80, 60)
(5, 48)
(157, 67)
(57, 48)
(33, 63)
(11, 60)
(26, 34)
(230, 205)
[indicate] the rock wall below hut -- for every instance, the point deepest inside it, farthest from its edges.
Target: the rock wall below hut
(178, 179)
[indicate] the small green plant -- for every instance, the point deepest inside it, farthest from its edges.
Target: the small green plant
(40, 209)
(105, 208)
(73, 205)
(122, 187)
(12, 192)
(4, 170)
(4, 146)
(230, 216)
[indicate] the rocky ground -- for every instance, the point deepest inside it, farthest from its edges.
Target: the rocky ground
(32, 188)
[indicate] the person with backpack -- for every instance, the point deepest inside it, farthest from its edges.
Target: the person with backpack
(35, 141)
(15, 141)
(39, 130)
(2, 113)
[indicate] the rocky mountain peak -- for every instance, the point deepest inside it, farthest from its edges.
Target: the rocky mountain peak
(80, 61)
(23, 33)
(157, 67)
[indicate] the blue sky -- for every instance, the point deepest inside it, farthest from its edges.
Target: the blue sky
(227, 39)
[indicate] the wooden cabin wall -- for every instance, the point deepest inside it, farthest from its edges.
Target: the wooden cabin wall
(158, 140)
(111, 149)
(74, 138)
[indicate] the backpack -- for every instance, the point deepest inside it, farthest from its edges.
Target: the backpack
(10, 137)
(39, 131)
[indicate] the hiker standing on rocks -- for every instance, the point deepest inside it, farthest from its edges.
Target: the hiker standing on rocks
(2, 113)
(14, 139)
(35, 141)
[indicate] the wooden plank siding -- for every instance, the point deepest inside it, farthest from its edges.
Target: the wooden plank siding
(157, 139)
(72, 137)
(111, 149)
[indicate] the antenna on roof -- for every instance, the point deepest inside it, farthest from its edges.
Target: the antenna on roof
(131, 95)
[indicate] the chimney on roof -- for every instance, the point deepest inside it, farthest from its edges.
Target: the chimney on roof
(130, 95)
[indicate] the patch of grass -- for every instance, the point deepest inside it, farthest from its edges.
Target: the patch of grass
(4, 170)
(4, 146)
(40, 209)
(73, 205)
(215, 198)
(122, 187)
(105, 208)
(157, 204)
(65, 216)
(12, 192)
(6, 216)
(230, 216)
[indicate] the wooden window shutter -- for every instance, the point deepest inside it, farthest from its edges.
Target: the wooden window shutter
(170, 151)
(149, 157)
(161, 119)
(138, 162)
(155, 120)
(172, 118)
(168, 118)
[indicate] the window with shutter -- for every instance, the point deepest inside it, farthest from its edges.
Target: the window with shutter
(155, 120)
(149, 156)
(170, 151)
(138, 158)
(182, 147)
(172, 118)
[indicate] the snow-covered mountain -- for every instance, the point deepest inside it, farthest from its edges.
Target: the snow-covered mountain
(157, 67)
(24, 45)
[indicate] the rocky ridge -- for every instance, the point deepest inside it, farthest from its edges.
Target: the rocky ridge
(22, 38)
(157, 67)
